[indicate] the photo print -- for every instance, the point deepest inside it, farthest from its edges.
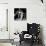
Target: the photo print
(19, 13)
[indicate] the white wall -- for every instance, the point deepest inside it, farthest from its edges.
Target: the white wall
(3, 21)
(3, 1)
(35, 14)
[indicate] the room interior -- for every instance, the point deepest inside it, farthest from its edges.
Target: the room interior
(35, 13)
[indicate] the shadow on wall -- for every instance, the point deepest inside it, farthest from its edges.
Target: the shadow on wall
(41, 34)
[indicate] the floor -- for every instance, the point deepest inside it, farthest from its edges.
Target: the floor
(27, 44)
(5, 44)
(23, 44)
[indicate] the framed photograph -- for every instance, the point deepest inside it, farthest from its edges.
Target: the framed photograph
(20, 13)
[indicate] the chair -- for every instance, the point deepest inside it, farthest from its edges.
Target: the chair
(32, 29)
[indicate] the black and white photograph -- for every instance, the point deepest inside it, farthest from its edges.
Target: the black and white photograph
(20, 13)
(22, 22)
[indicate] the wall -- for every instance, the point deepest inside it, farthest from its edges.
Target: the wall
(4, 34)
(3, 21)
(35, 14)
(3, 1)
